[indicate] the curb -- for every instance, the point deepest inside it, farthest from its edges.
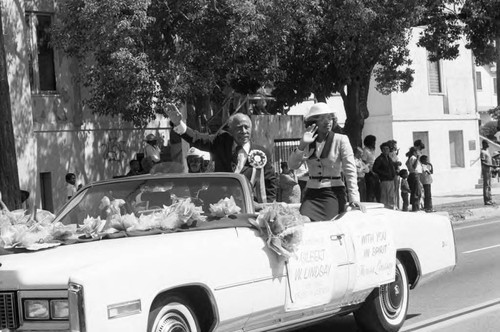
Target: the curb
(476, 214)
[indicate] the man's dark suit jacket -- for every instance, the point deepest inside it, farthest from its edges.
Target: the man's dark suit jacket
(221, 147)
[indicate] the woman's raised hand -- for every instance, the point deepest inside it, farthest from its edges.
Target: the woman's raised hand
(309, 135)
(173, 113)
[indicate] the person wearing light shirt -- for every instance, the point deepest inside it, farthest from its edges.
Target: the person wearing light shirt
(414, 169)
(327, 154)
(371, 179)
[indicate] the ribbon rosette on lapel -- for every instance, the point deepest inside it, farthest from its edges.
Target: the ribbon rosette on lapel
(258, 159)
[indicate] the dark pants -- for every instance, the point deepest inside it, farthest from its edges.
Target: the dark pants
(404, 197)
(372, 187)
(486, 174)
(427, 197)
(415, 191)
(362, 189)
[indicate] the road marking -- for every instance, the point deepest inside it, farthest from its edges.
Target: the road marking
(457, 228)
(481, 249)
(452, 317)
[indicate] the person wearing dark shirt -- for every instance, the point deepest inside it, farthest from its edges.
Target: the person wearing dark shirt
(234, 151)
(384, 168)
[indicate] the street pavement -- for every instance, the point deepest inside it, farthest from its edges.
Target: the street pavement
(473, 200)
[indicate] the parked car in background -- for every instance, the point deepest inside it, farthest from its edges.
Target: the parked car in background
(187, 252)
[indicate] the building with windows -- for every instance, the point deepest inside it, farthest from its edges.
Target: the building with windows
(55, 132)
(441, 109)
(486, 90)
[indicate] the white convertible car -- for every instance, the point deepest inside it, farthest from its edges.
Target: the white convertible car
(183, 252)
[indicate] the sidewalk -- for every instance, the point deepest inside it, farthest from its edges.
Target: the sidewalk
(467, 205)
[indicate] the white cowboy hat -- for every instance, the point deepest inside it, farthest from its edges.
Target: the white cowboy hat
(206, 155)
(194, 152)
(318, 109)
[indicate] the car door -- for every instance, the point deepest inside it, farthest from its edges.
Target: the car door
(315, 279)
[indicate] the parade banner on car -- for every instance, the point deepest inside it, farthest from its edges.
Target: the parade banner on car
(374, 250)
(311, 272)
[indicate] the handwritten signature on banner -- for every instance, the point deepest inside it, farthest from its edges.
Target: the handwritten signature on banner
(375, 256)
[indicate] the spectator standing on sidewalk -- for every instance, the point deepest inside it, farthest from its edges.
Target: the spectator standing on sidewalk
(486, 167)
(371, 179)
(426, 179)
(362, 169)
(405, 188)
(384, 168)
(414, 169)
(394, 154)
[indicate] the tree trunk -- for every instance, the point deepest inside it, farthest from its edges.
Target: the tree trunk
(9, 180)
(355, 104)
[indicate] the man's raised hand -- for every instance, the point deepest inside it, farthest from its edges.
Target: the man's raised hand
(173, 113)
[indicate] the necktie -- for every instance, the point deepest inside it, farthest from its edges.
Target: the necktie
(241, 158)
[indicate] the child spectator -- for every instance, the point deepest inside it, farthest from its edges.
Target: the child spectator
(405, 188)
(71, 185)
(426, 179)
(289, 185)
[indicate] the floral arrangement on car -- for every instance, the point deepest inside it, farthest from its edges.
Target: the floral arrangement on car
(30, 229)
(181, 213)
(224, 207)
(282, 227)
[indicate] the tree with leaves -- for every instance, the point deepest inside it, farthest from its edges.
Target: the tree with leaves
(338, 46)
(138, 54)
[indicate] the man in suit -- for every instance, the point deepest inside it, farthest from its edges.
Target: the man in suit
(233, 151)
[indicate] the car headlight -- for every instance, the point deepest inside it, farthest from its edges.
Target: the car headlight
(36, 309)
(45, 309)
(59, 309)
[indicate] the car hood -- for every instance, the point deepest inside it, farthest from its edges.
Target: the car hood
(51, 268)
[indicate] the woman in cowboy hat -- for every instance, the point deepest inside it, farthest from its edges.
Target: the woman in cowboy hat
(327, 154)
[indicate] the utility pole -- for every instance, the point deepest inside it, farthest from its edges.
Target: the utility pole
(9, 176)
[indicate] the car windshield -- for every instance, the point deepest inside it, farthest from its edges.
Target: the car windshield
(143, 196)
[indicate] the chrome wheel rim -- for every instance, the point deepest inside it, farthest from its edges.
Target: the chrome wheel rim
(392, 296)
(172, 322)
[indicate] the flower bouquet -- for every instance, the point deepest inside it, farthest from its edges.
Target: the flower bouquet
(183, 212)
(31, 230)
(282, 228)
(224, 207)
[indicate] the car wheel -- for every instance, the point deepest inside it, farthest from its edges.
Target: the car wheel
(172, 314)
(385, 308)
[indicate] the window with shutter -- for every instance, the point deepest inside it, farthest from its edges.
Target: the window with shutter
(479, 81)
(41, 53)
(434, 77)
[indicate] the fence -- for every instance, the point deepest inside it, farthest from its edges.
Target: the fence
(282, 150)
